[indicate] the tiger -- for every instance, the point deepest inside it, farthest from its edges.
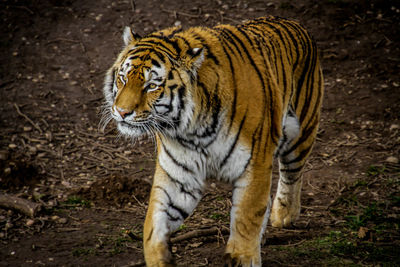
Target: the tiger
(221, 103)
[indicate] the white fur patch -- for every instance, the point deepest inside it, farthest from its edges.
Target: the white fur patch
(291, 126)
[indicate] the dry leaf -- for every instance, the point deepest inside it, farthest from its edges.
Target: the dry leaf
(362, 232)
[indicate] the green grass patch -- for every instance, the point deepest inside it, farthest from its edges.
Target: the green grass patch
(79, 252)
(340, 248)
(77, 201)
(375, 170)
(219, 216)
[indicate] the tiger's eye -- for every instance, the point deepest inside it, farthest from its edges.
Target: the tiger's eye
(152, 85)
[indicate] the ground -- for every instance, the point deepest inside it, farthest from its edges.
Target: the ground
(93, 185)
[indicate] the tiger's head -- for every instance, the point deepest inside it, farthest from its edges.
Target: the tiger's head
(148, 89)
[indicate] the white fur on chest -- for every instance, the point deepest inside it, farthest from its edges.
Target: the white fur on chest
(223, 159)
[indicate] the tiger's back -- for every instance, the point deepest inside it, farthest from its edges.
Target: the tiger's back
(222, 102)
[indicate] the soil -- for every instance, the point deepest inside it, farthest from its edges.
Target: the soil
(94, 185)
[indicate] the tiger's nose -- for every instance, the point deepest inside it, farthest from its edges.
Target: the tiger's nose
(123, 112)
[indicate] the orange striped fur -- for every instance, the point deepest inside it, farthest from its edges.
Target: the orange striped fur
(221, 103)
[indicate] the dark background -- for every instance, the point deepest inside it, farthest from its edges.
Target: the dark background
(94, 186)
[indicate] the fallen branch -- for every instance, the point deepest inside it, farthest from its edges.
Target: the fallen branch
(198, 233)
(22, 205)
(27, 118)
(186, 236)
(137, 264)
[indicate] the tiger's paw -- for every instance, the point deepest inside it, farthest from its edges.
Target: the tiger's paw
(240, 260)
(158, 256)
(283, 215)
(161, 264)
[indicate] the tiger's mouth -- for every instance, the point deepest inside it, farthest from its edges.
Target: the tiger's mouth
(135, 124)
(134, 129)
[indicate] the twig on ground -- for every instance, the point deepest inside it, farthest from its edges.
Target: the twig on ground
(197, 233)
(24, 8)
(27, 118)
(133, 5)
(139, 202)
(180, 13)
(294, 244)
(63, 40)
(136, 264)
(123, 157)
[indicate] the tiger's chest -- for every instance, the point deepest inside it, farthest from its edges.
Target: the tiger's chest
(225, 158)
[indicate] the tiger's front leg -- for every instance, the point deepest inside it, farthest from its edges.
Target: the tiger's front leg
(171, 201)
(249, 216)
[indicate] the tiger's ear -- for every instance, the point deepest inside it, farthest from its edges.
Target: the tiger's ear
(129, 36)
(197, 54)
(193, 59)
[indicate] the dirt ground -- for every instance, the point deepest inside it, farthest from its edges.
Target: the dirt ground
(93, 186)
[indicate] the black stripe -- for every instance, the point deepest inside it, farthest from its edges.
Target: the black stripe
(171, 98)
(176, 162)
(309, 87)
(264, 94)
(155, 63)
(156, 42)
(235, 93)
(284, 25)
(301, 79)
(181, 186)
(160, 55)
(181, 103)
(155, 46)
(170, 204)
(133, 57)
(185, 41)
(306, 132)
(230, 41)
(212, 128)
(290, 181)
(181, 212)
(172, 87)
(187, 143)
(151, 234)
(177, 30)
(316, 107)
(255, 137)
(275, 133)
(302, 155)
(205, 93)
(170, 217)
(294, 43)
(280, 74)
(140, 49)
(173, 43)
(211, 56)
(282, 142)
(170, 75)
(234, 142)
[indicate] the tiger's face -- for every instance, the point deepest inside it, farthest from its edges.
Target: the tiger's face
(137, 91)
(146, 88)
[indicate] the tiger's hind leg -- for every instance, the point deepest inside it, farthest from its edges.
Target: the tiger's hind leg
(292, 152)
